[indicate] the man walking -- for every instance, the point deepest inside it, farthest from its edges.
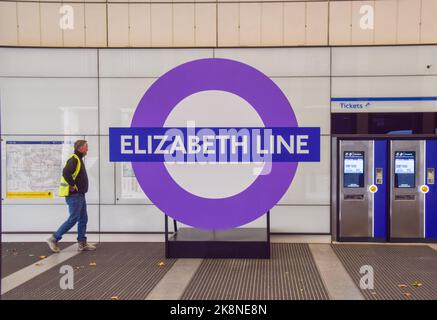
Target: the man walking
(74, 185)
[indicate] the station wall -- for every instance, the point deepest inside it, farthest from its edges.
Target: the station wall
(64, 94)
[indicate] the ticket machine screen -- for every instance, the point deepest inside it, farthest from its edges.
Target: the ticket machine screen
(405, 169)
(353, 169)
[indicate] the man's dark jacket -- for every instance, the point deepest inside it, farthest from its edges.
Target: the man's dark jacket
(82, 178)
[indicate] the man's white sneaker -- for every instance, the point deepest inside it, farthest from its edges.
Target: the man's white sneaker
(53, 244)
(85, 246)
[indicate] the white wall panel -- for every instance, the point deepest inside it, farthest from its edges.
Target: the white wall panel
(119, 99)
(41, 62)
(92, 163)
(399, 60)
(282, 61)
(148, 218)
(310, 99)
(49, 106)
(311, 184)
(107, 173)
(300, 219)
(131, 218)
(145, 62)
(421, 86)
(42, 218)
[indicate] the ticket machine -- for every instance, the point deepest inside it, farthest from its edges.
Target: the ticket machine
(408, 189)
(383, 175)
(362, 190)
(386, 190)
(355, 181)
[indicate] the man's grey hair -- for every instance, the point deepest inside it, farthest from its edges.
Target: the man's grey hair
(78, 144)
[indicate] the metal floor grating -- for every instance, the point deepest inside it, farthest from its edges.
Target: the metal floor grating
(122, 270)
(396, 269)
(17, 255)
(291, 273)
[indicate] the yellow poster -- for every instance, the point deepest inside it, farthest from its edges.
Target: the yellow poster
(29, 195)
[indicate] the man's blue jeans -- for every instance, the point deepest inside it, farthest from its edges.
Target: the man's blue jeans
(78, 214)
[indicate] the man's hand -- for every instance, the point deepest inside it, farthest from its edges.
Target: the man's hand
(73, 188)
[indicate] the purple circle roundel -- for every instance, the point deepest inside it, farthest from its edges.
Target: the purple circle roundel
(224, 75)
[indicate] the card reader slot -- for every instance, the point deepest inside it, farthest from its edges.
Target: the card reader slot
(354, 197)
(405, 197)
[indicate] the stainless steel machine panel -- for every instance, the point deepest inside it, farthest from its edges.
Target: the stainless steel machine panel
(407, 176)
(355, 199)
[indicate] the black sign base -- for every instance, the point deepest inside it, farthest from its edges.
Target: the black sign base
(238, 243)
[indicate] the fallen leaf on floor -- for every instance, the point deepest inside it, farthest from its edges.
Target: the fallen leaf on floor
(407, 295)
(42, 257)
(39, 264)
(115, 298)
(92, 264)
(402, 286)
(417, 284)
(161, 264)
